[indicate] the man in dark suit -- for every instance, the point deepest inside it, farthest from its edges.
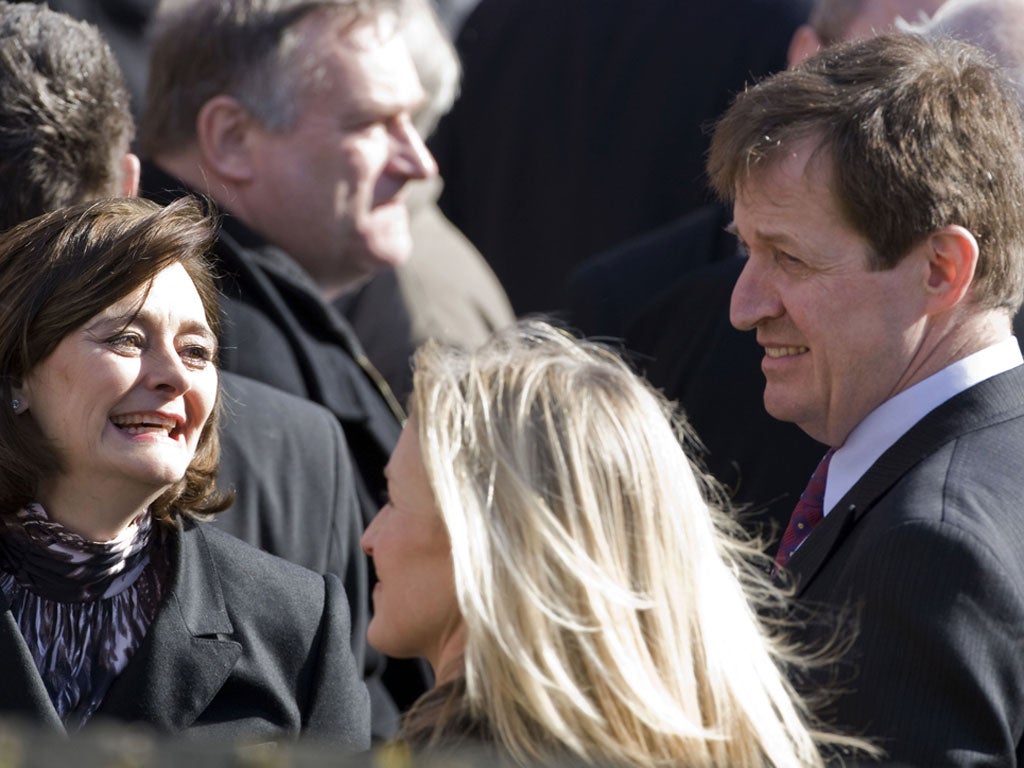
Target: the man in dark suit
(294, 117)
(879, 191)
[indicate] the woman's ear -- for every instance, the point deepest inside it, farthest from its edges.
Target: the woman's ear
(223, 133)
(19, 399)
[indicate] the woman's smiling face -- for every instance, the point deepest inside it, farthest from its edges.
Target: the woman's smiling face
(124, 398)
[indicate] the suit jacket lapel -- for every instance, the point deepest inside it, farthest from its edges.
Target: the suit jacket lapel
(989, 402)
(188, 652)
(22, 693)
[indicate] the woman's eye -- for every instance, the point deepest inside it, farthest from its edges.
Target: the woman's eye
(197, 355)
(128, 342)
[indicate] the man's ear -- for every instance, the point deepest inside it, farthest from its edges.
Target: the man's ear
(130, 169)
(804, 44)
(952, 259)
(223, 133)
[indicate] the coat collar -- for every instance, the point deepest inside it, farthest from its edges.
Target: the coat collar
(22, 693)
(189, 650)
(992, 401)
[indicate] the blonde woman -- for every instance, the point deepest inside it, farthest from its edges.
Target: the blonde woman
(548, 548)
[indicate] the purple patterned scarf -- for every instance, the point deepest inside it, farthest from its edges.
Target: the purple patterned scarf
(83, 607)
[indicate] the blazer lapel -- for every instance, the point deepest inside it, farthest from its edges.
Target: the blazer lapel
(22, 693)
(188, 652)
(992, 401)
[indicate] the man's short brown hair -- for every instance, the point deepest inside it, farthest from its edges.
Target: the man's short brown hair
(64, 113)
(917, 135)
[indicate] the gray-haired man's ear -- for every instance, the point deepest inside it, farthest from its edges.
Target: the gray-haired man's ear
(130, 169)
(804, 44)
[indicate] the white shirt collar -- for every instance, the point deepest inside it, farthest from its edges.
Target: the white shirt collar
(894, 418)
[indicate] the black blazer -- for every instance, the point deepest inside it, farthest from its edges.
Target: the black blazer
(244, 647)
(289, 465)
(927, 550)
(295, 497)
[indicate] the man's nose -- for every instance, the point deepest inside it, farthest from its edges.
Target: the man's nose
(410, 157)
(754, 297)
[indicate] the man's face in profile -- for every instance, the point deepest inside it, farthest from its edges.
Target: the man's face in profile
(839, 338)
(330, 186)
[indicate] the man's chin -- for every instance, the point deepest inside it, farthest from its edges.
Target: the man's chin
(388, 250)
(364, 265)
(783, 408)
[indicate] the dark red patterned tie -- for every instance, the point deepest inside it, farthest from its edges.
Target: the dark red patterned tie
(808, 512)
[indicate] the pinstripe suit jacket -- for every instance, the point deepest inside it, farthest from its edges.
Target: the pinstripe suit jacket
(928, 550)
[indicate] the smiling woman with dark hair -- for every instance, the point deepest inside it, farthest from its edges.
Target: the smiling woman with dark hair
(114, 601)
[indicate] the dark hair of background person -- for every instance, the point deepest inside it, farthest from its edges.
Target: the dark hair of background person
(57, 145)
(882, 126)
(59, 270)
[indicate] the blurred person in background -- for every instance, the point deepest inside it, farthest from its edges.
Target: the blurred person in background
(581, 124)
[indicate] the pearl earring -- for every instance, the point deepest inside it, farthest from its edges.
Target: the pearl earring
(15, 404)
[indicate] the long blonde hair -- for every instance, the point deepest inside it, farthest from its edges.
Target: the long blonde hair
(607, 603)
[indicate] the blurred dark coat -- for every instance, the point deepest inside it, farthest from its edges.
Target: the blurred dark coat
(582, 123)
(287, 462)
